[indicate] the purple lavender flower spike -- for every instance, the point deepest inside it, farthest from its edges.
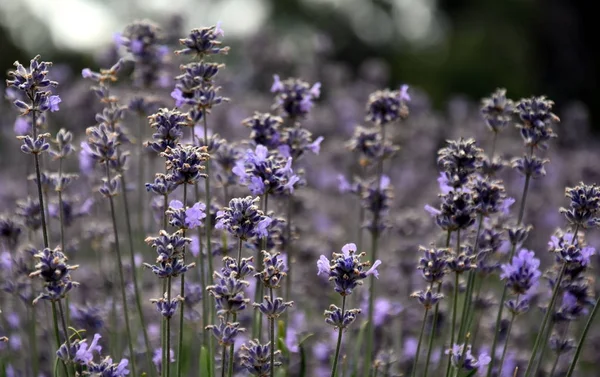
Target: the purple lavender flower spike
(522, 274)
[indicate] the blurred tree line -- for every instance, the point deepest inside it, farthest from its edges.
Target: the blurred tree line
(529, 47)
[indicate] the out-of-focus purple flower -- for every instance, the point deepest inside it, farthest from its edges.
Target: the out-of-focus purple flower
(294, 96)
(522, 273)
(22, 126)
(497, 110)
(387, 106)
(157, 359)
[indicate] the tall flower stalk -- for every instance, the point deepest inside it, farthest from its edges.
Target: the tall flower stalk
(111, 116)
(347, 271)
(383, 109)
(535, 126)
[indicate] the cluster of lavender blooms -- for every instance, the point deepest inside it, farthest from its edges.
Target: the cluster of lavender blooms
(225, 284)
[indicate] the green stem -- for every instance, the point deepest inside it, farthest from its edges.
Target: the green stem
(432, 334)
(290, 262)
(416, 363)
(182, 294)
(163, 337)
(538, 339)
(208, 228)
(435, 318)
(505, 289)
(57, 334)
(454, 306)
(63, 322)
(136, 286)
(510, 324)
(464, 328)
(231, 352)
(586, 329)
(38, 176)
(121, 275)
(339, 341)
(543, 335)
(257, 316)
(374, 247)
(167, 365)
(554, 365)
(544, 347)
(272, 335)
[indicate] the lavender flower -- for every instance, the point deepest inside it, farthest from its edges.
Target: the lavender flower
(165, 306)
(56, 274)
(584, 208)
(186, 163)
(387, 106)
(456, 211)
(186, 218)
(463, 359)
(243, 219)
(228, 292)
(427, 298)
(168, 124)
(339, 320)
(368, 142)
(255, 358)
(497, 110)
(459, 160)
(522, 274)
(433, 264)
(537, 119)
(346, 270)
(82, 352)
(265, 129)
(266, 173)
(225, 332)
(202, 42)
(294, 97)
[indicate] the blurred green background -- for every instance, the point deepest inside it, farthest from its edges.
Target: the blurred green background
(444, 47)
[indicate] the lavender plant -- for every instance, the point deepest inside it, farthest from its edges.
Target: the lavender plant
(491, 303)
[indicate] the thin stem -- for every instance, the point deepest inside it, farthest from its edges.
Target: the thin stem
(163, 337)
(167, 366)
(38, 176)
(290, 261)
(435, 317)
(544, 347)
(136, 286)
(538, 339)
(432, 334)
(208, 229)
(453, 325)
(416, 363)
(231, 353)
(272, 335)
(374, 247)
(57, 334)
(510, 324)
(554, 365)
(63, 322)
(257, 316)
(493, 150)
(182, 294)
(464, 328)
(121, 275)
(586, 329)
(505, 289)
(223, 359)
(543, 335)
(339, 341)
